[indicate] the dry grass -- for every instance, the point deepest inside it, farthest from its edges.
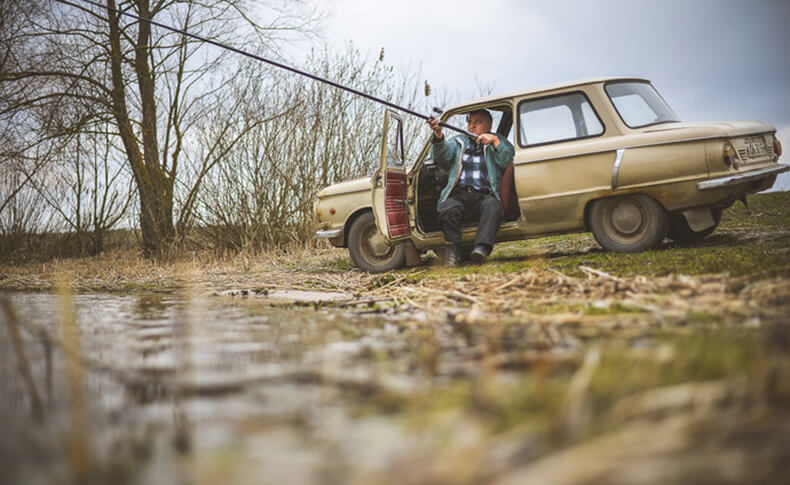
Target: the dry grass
(128, 270)
(535, 290)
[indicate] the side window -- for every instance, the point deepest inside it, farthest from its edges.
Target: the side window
(546, 124)
(557, 118)
(591, 121)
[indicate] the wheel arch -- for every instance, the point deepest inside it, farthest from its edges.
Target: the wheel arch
(350, 221)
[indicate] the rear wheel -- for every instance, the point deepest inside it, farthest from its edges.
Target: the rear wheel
(368, 248)
(680, 232)
(628, 223)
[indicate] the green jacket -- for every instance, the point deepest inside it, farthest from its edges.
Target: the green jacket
(448, 153)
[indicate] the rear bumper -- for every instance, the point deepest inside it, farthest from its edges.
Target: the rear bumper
(742, 177)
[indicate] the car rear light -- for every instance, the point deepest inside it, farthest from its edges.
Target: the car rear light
(730, 158)
(777, 147)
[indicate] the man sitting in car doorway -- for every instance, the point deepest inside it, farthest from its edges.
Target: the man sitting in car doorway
(472, 190)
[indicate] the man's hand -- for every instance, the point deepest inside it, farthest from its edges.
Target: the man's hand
(437, 129)
(488, 139)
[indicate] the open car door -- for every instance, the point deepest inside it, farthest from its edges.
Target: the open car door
(390, 194)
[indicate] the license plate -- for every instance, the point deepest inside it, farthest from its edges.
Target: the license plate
(755, 148)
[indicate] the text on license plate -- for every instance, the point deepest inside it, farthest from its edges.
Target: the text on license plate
(755, 148)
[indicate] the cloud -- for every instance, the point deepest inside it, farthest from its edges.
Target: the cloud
(711, 59)
(455, 42)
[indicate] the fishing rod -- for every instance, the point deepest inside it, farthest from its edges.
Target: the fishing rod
(268, 61)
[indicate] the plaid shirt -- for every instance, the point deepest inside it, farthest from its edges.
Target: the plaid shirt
(474, 171)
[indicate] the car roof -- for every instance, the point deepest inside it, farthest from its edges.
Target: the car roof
(551, 87)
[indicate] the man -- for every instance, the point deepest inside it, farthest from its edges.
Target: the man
(472, 190)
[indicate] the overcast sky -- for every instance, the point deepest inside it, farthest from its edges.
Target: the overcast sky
(710, 59)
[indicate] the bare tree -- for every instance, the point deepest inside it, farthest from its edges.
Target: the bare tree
(71, 70)
(264, 191)
(23, 219)
(89, 190)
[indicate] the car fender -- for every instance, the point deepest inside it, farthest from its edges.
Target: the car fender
(350, 220)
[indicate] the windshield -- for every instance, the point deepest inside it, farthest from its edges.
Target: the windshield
(639, 104)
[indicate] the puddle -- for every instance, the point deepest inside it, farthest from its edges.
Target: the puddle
(279, 385)
(291, 296)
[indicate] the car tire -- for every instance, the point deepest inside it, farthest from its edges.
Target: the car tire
(370, 253)
(628, 223)
(681, 233)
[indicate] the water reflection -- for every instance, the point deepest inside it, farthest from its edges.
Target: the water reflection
(153, 306)
(194, 371)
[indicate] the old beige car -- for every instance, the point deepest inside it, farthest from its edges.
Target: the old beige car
(605, 155)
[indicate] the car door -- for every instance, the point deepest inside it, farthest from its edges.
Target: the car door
(390, 194)
(563, 159)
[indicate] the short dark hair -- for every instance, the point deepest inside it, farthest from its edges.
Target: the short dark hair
(482, 112)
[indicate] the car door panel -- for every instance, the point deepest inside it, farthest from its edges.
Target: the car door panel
(389, 183)
(553, 193)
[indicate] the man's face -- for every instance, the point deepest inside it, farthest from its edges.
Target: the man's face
(478, 124)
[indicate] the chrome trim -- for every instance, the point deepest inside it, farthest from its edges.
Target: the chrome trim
(669, 142)
(343, 193)
(616, 167)
(330, 234)
(742, 177)
(548, 159)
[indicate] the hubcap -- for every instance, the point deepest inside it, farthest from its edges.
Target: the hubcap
(374, 246)
(378, 244)
(627, 218)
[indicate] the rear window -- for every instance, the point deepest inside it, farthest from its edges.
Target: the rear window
(557, 118)
(638, 104)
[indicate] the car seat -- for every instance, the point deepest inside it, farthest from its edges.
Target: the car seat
(507, 193)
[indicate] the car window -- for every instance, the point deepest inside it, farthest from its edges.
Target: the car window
(591, 121)
(638, 104)
(394, 143)
(497, 120)
(557, 118)
(459, 120)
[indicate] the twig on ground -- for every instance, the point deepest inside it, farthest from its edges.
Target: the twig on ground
(591, 271)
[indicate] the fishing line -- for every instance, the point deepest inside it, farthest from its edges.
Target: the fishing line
(267, 61)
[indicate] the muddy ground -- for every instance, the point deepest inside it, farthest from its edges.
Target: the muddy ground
(555, 362)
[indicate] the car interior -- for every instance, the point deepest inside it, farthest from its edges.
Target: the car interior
(432, 178)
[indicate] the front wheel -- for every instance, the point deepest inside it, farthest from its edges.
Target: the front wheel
(368, 248)
(628, 223)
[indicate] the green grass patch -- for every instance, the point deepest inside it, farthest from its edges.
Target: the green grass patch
(769, 212)
(535, 401)
(614, 309)
(339, 263)
(718, 254)
(692, 357)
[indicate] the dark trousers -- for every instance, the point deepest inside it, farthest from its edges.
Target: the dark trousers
(466, 204)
